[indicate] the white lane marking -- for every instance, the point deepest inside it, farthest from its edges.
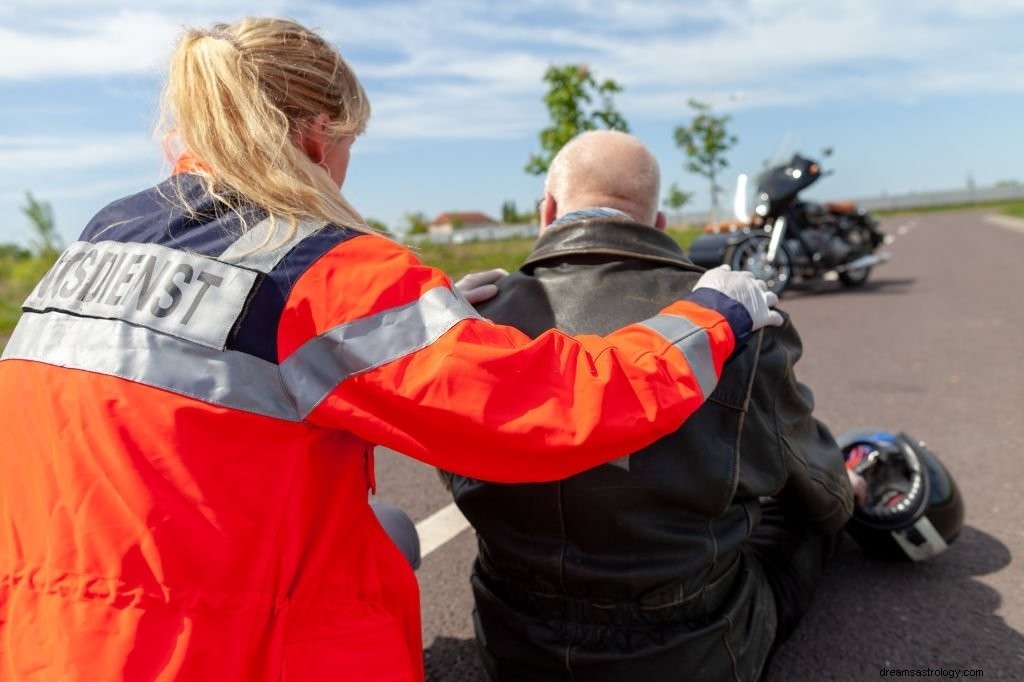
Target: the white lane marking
(907, 227)
(440, 527)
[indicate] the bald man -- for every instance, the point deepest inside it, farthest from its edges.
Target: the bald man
(670, 564)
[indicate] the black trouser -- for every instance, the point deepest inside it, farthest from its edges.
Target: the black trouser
(530, 635)
(793, 558)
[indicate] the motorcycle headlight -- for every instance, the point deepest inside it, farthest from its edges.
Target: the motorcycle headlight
(763, 205)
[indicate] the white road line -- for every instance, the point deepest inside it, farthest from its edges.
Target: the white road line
(440, 527)
(907, 227)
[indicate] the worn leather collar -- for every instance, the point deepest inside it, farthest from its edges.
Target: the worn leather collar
(608, 236)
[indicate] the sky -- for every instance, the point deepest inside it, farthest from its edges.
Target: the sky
(914, 95)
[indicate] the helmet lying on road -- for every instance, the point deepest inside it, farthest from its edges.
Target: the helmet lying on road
(913, 509)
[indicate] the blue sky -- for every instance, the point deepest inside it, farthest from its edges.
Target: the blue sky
(913, 95)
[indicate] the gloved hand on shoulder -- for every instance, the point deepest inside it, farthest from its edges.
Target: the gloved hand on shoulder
(477, 287)
(746, 290)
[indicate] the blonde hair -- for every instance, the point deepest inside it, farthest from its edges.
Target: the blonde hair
(237, 95)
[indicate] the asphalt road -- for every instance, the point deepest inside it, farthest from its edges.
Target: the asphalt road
(932, 345)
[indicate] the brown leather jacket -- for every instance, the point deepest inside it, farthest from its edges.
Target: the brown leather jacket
(645, 554)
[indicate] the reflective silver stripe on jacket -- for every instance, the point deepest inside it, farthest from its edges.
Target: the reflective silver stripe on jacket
(260, 250)
(227, 378)
(186, 295)
(694, 343)
(315, 369)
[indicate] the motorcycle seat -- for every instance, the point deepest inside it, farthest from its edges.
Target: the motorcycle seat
(841, 207)
(732, 225)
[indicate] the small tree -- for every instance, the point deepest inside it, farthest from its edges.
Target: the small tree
(48, 243)
(416, 222)
(509, 215)
(705, 142)
(677, 198)
(572, 88)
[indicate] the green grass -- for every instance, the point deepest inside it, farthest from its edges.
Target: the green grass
(458, 259)
(1015, 210)
(18, 276)
(997, 206)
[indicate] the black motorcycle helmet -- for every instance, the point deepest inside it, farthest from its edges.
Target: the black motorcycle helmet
(913, 509)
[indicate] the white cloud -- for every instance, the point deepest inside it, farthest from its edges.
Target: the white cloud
(433, 48)
(20, 156)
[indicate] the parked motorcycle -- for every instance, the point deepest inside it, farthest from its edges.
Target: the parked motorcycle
(786, 238)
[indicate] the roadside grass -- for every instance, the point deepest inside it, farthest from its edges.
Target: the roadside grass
(18, 276)
(1014, 209)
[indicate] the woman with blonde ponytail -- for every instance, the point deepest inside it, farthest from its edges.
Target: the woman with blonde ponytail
(194, 392)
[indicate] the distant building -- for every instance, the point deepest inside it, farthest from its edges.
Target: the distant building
(447, 223)
(463, 227)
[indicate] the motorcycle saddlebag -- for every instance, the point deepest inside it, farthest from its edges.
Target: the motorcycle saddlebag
(708, 250)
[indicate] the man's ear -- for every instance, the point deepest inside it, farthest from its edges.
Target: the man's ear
(312, 138)
(660, 221)
(548, 210)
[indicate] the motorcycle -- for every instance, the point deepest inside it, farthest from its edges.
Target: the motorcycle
(786, 238)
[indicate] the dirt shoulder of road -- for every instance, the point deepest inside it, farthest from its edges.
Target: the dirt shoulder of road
(1007, 221)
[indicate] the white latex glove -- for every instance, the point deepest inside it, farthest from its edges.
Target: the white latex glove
(747, 290)
(477, 287)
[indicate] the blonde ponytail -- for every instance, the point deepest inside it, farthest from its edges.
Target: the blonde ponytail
(237, 95)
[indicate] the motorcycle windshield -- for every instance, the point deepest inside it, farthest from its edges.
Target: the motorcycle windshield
(783, 182)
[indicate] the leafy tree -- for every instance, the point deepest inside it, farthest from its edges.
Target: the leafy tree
(572, 89)
(13, 252)
(457, 223)
(416, 223)
(705, 142)
(48, 243)
(508, 212)
(677, 198)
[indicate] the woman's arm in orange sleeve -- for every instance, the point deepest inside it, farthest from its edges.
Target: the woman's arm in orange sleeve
(376, 343)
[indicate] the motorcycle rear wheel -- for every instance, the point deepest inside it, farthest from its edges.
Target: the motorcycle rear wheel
(751, 255)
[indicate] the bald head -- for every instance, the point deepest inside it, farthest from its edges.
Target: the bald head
(604, 168)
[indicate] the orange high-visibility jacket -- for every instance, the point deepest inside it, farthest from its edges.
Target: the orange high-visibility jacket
(190, 411)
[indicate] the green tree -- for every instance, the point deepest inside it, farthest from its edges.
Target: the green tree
(705, 142)
(509, 214)
(416, 223)
(47, 244)
(677, 198)
(13, 252)
(572, 89)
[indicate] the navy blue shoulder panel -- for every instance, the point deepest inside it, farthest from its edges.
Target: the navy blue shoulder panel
(256, 333)
(177, 213)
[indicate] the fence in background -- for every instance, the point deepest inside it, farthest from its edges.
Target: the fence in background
(890, 202)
